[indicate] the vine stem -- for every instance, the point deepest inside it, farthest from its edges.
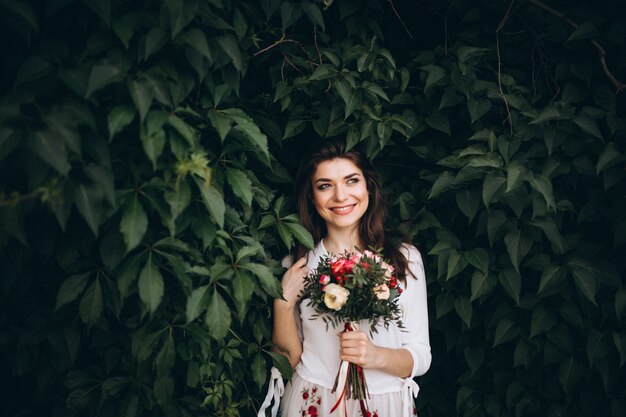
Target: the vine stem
(506, 102)
(601, 51)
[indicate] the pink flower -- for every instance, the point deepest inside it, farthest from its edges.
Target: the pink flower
(389, 270)
(324, 279)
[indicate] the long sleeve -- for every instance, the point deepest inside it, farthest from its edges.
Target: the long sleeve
(415, 337)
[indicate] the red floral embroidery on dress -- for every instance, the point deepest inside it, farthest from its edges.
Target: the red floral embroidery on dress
(311, 402)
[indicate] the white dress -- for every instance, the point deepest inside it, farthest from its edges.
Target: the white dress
(308, 393)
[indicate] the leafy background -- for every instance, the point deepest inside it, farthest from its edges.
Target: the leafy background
(147, 150)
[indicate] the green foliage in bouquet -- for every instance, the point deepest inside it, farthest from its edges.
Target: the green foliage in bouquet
(354, 287)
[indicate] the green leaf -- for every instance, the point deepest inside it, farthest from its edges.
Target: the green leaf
(285, 234)
(588, 125)
(478, 108)
(153, 41)
(543, 185)
(541, 322)
(91, 305)
(515, 174)
(505, 331)
(463, 307)
(444, 304)
(196, 303)
(609, 157)
(229, 44)
(511, 281)
(70, 289)
(551, 276)
(289, 13)
(301, 234)
(314, 14)
(456, 264)
(102, 8)
(282, 364)
(184, 129)
(142, 95)
(586, 280)
(88, 200)
(468, 202)
(119, 117)
(482, 283)
(249, 128)
(103, 74)
(196, 39)
(150, 285)
(479, 259)
(465, 53)
(49, 145)
(213, 200)
(435, 74)
(552, 232)
(474, 356)
(443, 183)
(134, 223)
(491, 186)
(439, 121)
(114, 385)
(221, 123)
(153, 145)
(259, 372)
(240, 184)
(242, 291)
(518, 243)
(268, 281)
(217, 317)
(178, 199)
(181, 13)
(620, 343)
(585, 30)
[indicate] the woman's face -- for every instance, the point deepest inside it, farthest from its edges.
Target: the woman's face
(339, 193)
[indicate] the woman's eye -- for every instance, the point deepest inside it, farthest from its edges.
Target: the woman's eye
(353, 180)
(323, 186)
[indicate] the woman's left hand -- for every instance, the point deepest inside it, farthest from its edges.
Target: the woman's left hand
(357, 348)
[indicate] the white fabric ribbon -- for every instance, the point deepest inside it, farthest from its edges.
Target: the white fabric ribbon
(409, 391)
(341, 393)
(275, 390)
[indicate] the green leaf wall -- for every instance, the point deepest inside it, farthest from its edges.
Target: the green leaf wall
(147, 155)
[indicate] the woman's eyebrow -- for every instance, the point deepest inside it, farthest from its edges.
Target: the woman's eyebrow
(347, 177)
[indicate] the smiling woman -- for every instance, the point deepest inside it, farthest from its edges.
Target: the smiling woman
(340, 202)
(340, 197)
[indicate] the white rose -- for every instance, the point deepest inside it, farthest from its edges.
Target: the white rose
(381, 291)
(335, 297)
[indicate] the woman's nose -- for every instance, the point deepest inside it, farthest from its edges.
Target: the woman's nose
(340, 193)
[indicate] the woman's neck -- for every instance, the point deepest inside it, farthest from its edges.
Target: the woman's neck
(342, 242)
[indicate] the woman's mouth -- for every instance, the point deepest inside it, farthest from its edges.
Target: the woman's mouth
(343, 209)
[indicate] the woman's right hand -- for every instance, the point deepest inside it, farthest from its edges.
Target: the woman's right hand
(293, 281)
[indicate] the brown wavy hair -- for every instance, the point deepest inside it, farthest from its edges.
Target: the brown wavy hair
(371, 227)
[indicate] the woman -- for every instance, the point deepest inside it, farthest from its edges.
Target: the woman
(340, 202)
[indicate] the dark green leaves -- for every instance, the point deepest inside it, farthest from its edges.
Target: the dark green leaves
(217, 317)
(151, 285)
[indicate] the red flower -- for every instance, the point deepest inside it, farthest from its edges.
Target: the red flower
(313, 410)
(399, 290)
(393, 282)
(375, 414)
(341, 266)
(314, 390)
(305, 395)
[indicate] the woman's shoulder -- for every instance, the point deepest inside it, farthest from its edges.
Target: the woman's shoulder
(414, 259)
(313, 254)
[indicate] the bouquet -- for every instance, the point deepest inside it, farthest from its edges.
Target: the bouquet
(346, 289)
